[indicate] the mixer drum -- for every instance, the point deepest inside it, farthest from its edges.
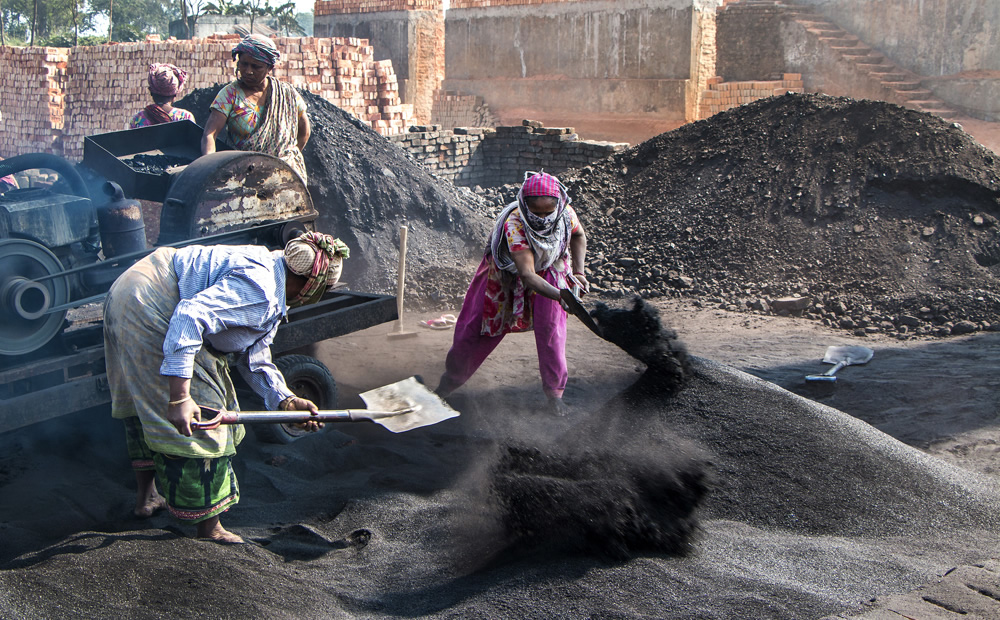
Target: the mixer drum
(230, 190)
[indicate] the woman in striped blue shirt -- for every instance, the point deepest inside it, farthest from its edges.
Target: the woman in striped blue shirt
(170, 322)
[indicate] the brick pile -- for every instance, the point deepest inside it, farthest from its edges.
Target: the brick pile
(725, 95)
(63, 95)
(33, 101)
(497, 156)
(477, 4)
(452, 109)
(340, 7)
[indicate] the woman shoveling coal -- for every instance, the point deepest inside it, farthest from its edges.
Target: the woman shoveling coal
(169, 322)
(537, 248)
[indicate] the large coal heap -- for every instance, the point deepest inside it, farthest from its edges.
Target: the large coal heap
(885, 217)
(365, 187)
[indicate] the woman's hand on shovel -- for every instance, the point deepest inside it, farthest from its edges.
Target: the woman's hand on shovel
(294, 403)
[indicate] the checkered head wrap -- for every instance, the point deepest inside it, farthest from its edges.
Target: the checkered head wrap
(260, 48)
(542, 184)
(165, 79)
(318, 258)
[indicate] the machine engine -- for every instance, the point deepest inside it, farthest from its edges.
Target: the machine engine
(62, 247)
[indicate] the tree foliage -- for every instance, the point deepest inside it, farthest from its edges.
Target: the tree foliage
(64, 23)
(54, 18)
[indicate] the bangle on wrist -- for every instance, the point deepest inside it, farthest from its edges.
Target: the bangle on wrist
(171, 403)
(283, 405)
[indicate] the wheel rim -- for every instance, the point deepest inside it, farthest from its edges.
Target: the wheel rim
(24, 324)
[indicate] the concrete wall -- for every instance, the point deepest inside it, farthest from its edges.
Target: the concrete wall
(928, 37)
(412, 40)
(599, 57)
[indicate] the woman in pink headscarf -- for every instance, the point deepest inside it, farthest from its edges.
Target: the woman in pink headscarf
(538, 246)
(165, 81)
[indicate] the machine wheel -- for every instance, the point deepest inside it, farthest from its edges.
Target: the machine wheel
(25, 325)
(308, 378)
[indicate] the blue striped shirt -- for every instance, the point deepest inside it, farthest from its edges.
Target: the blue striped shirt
(233, 297)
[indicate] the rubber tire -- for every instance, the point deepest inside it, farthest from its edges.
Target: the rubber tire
(306, 377)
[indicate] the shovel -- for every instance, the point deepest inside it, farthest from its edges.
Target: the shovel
(840, 356)
(575, 306)
(401, 406)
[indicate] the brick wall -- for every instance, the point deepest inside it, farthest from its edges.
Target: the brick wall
(496, 156)
(33, 85)
(452, 109)
(340, 7)
(476, 4)
(724, 95)
(750, 46)
(55, 97)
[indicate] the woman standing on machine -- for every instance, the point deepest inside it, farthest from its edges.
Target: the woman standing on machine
(259, 112)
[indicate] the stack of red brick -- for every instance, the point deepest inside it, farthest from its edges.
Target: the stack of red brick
(54, 97)
(33, 104)
(724, 95)
(340, 7)
(477, 4)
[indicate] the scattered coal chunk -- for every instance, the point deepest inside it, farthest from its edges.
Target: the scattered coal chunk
(156, 164)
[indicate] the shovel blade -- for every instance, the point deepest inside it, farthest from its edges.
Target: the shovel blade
(426, 407)
(850, 354)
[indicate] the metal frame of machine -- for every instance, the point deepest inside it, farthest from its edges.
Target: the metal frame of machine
(225, 198)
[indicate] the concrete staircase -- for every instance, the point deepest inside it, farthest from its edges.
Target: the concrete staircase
(897, 85)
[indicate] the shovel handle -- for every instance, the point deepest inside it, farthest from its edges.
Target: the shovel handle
(286, 417)
(829, 375)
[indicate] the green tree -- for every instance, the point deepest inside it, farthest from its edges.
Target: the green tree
(284, 20)
(21, 22)
(224, 7)
(131, 20)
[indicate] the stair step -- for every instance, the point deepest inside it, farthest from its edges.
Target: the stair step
(916, 95)
(818, 23)
(902, 85)
(888, 77)
(858, 54)
(876, 69)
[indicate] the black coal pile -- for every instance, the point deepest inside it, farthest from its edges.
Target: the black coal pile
(364, 188)
(612, 502)
(862, 214)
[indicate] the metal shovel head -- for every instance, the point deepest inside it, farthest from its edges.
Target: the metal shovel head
(576, 308)
(851, 354)
(409, 394)
(840, 356)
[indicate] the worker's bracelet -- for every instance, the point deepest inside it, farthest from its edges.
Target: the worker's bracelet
(579, 273)
(283, 405)
(177, 402)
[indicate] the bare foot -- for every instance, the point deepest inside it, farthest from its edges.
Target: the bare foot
(150, 505)
(211, 529)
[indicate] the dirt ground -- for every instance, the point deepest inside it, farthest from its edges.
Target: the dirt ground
(939, 395)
